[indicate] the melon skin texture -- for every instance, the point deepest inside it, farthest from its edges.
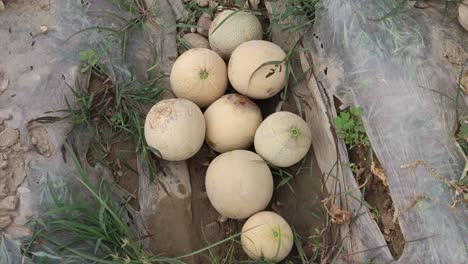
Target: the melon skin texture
(283, 139)
(266, 235)
(235, 30)
(199, 75)
(249, 78)
(176, 128)
(239, 184)
(463, 14)
(231, 122)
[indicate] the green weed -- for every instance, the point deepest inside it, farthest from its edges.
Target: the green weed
(293, 15)
(350, 129)
(113, 113)
(90, 61)
(91, 229)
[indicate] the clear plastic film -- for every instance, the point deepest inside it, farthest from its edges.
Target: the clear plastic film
(401, 65)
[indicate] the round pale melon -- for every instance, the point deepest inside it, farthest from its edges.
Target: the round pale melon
(199, 75)
(239, 184)
(283, 139)
(175, 128)
(250, 75)
(231, 122)
(267, 236)
(235, 29)
(463, 14)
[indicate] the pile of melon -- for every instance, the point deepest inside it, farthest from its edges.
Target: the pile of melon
(239, 182)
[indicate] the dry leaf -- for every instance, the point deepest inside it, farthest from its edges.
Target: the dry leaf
(379, 173)
(339, 216)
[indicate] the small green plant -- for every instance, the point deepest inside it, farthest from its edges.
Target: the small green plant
(90, 61)
(350, 129)
(293, 16)
(112, 113)
(92, 229)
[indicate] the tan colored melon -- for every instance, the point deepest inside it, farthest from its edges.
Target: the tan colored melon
(463, 14)
(283, 139)
(239, 184)
(235, 29)
(199, 75)
(231, 122)
(267, 236)
(176, 128)
(250, 76)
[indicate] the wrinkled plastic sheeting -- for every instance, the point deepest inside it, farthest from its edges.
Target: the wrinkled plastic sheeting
(39, 68)
(401, 65)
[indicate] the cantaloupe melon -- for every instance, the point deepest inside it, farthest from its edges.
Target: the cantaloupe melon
(231, 28)
(231, 122)
(267, 236)
(249, 73)
(175, 128)
(239, 184)
(199, 75)
(283, 139)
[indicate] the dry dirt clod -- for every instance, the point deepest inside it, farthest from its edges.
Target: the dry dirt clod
(3, 164)
(5, 220)
(40, 139)
(222, 219)
(8, 137)
(196, 40)
(211, 229)
(44, 29)
(9, 203)
(214, 3)
(202, 3)
(421, 4)
(204, 24)
(3, 85)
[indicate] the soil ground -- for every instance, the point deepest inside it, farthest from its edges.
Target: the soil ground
(299, 203)
(377, 195)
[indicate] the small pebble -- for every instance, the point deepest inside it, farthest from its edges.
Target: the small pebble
(3, 85)
(222, 219)
(2, 6)
(4, 220)
(202, 3)
(204, 24)
(196, 40)
(9, 203)
(3, 164)
(8, 137)
(44, 29)
(421, 4)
